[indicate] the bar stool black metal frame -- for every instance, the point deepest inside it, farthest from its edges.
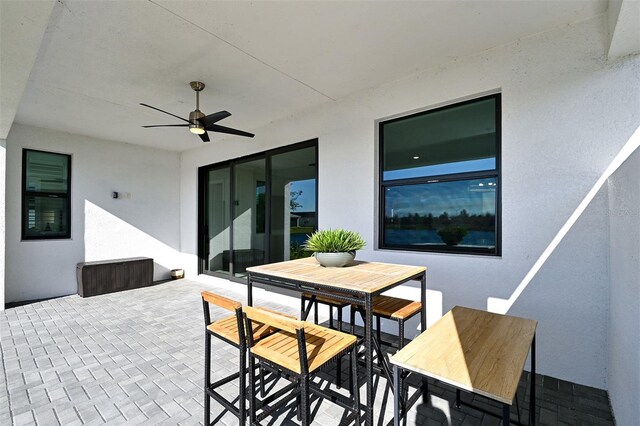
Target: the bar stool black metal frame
(261, 330)
(400, 320)
(301, 386)
(210, 388)
(305, 310)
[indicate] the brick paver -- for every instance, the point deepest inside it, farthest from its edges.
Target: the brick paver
(136, 357)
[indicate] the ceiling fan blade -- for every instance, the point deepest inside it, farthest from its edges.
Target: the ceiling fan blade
(229, 130)
(204, 137)
(173, 115)
(213, 118)
(169, 125)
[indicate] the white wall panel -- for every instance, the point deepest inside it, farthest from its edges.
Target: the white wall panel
(624, 325)
(566, 114)
(146, 224)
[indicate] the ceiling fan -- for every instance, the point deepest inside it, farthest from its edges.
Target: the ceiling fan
(199, 123)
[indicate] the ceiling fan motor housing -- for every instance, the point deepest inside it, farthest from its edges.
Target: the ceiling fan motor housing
(194, 120)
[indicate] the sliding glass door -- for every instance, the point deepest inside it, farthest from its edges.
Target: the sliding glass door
(257, 210)
(293, 202)
(249, 221)
(217, 231)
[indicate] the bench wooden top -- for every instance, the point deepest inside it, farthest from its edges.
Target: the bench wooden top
(474, 350)
(366, 277)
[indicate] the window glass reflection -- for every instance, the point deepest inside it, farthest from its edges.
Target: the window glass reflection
(456, 213)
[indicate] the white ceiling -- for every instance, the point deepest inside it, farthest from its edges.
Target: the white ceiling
(260, 60)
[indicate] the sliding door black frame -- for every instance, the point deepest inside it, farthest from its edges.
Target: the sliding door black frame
(202, 230)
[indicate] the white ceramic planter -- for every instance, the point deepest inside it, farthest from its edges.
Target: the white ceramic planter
(335, 260)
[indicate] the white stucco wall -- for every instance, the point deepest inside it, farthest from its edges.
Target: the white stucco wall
(624, 326)
(146, 224)
(3, 177)
(566, 113)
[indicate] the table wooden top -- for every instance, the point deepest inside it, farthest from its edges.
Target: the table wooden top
(367, 277)
(474, 350)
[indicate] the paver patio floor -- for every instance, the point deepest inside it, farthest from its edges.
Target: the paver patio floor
(136, 357)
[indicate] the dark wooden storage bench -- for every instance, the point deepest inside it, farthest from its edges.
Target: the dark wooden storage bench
(108, 276)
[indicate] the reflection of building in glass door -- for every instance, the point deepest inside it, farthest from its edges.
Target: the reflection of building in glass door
(249, 216)
(217, 229)
(293, 202)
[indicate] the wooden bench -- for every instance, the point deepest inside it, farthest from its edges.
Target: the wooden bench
(472, 350)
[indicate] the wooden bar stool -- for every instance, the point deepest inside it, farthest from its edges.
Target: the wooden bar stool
(325, 300)
(297, 350)
(391, 308)
(314, 301)
(229, 329)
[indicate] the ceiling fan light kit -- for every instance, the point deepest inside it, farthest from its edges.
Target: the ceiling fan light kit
(195, 126)
(199, 123)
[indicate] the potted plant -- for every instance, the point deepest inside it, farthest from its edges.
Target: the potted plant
(335, 247)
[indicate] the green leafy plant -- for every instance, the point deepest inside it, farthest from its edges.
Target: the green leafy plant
(452, 235)
(334, 241)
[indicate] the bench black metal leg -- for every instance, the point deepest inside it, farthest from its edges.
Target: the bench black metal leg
(532, 397)
(505, 414)
(396, 396)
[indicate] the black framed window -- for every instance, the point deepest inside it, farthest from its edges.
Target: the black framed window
(440, 179)
(46, 195)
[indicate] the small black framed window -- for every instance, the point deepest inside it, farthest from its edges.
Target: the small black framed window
(46, 195)
(440, 179)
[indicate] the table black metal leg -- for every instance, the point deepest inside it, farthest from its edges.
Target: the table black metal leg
(368, 348)
(423, 300)
(396, 396)
(249, 290)
(457, 398)
(532, 397)
(423, 325)
(339, 363)
(506, 408)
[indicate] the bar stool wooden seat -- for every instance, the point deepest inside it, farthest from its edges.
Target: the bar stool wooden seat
(231, 330)
(297, 350)
(314, 301)
(392, 308)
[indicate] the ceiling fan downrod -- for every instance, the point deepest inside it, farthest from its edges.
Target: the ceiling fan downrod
(194, 116)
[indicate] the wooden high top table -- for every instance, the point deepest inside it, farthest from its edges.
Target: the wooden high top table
(477, 351)
(356, 284)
